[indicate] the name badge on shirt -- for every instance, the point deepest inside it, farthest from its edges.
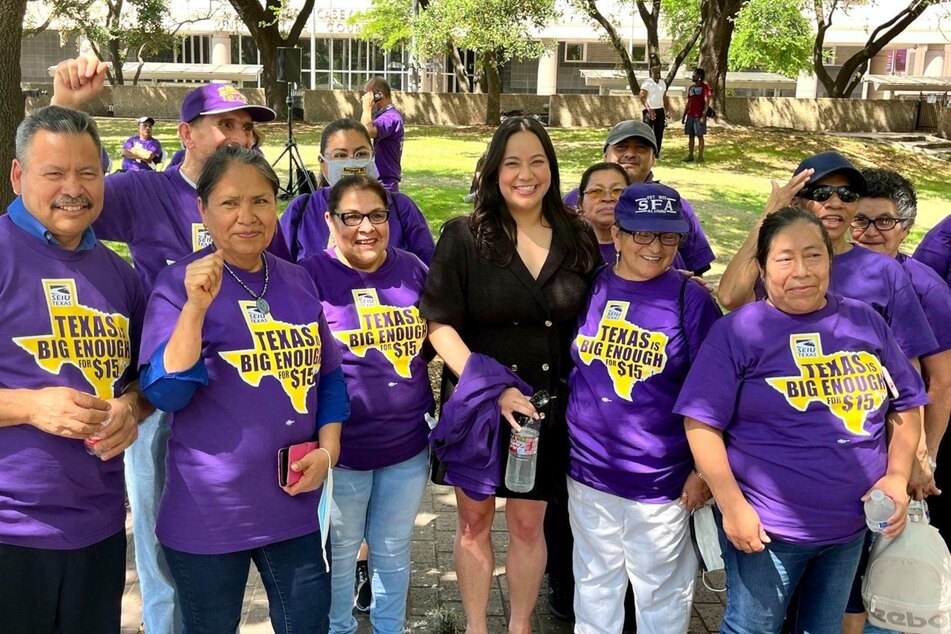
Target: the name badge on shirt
(892, 389)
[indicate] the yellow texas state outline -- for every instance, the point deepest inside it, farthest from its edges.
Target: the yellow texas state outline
(60, 348)
(399, 351)
(615, 336)
(296, 376)
(820, 373)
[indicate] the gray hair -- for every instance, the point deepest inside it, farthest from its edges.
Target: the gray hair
(56, 120)
(896, 188)
(220, 161)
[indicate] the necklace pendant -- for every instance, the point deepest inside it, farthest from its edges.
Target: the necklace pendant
(263, 307)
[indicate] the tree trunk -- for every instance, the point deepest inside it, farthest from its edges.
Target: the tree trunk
(717, 18)
(591, 8)
(459, 69)
(854, 68)
(650, 23)
(11, 98)
(681, 56)
(494, 87)
(115, 55)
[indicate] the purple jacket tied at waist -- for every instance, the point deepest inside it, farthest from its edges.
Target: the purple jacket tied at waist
(467, 436)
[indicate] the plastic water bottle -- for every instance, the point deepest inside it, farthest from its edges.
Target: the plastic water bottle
(918, 512)
(523, 449)
(878, 508)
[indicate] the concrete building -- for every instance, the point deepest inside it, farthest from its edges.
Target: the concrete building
(578, 59)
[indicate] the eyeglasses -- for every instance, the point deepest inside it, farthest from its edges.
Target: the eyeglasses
(342, 155)
(646, 237)
(355, 218)
(882, 223)
(823, 193)
(599, 192)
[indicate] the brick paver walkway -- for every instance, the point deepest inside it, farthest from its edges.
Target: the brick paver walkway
(434, 602)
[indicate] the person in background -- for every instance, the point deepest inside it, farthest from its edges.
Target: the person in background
(601, 186)
(346, 148)
(156, 214)
(797, 407)
(885, 216)
(656, 105)
(504, 290)
(631, 483)
(257, 142)
(71, 312)
(236, 344)
(935, 249)
(699, 95)
(384, 123)
(370, 294)
(142, 151)
(632, 145)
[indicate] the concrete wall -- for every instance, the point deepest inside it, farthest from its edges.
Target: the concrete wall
(944, 122)
(567, 111)
(98, 107)
(417, 108)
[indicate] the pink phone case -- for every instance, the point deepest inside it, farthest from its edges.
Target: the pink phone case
(295, 453)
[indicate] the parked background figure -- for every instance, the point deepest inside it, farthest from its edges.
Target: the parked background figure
(699, 95)
(142, 151)
(385, 125)
(656, 105)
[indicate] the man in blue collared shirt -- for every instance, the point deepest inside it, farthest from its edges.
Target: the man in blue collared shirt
(70, 321)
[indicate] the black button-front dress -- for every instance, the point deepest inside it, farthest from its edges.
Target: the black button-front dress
(524, 323)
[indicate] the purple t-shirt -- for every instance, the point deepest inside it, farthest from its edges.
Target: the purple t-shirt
(882, 283)
(221, 489)
(69, 319)
(374, 318)
(935, 249)
(935, 297)
(151, 145)
(801, 401)
(156, 214)
(693, 254)
(305, 231)
(631, 355)
(388, 147)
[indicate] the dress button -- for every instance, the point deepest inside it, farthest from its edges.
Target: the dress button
(547, 324)
(545, 367)
(514, 368)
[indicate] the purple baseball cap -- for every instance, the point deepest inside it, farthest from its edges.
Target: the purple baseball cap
(650, 207)
(218, 98)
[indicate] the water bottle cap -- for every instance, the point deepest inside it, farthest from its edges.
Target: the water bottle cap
(878, 495)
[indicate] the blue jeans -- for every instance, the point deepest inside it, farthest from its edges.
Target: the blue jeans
(144, 481)
(379, 506)
(760, 585)
(211, 587)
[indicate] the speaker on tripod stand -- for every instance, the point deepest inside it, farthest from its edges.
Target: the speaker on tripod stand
(299, 179)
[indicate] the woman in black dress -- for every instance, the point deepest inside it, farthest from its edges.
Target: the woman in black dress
(508, 282)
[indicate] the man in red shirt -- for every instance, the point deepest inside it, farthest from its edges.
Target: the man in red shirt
(699, 95)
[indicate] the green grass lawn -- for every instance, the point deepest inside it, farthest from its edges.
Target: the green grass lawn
(728, 191)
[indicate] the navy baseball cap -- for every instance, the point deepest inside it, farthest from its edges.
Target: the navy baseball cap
(631, 129)
(828, 163)
(650, 207)
(218, 98)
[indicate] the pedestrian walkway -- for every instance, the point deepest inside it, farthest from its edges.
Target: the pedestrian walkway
(435, 606)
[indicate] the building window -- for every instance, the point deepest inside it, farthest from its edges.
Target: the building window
(195, 49)
(639, 54)
(576, 52)
(896, 62)
(347, 64)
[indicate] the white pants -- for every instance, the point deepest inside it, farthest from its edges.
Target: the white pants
(618, 539)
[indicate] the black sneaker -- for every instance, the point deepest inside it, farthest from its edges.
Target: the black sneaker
(561, 596)
(361, 588)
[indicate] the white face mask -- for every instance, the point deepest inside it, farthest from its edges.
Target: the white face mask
(338, 168)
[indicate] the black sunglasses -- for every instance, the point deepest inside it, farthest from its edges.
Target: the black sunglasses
(823, 193)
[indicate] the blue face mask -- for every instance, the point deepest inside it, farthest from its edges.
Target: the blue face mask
(338, 168)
